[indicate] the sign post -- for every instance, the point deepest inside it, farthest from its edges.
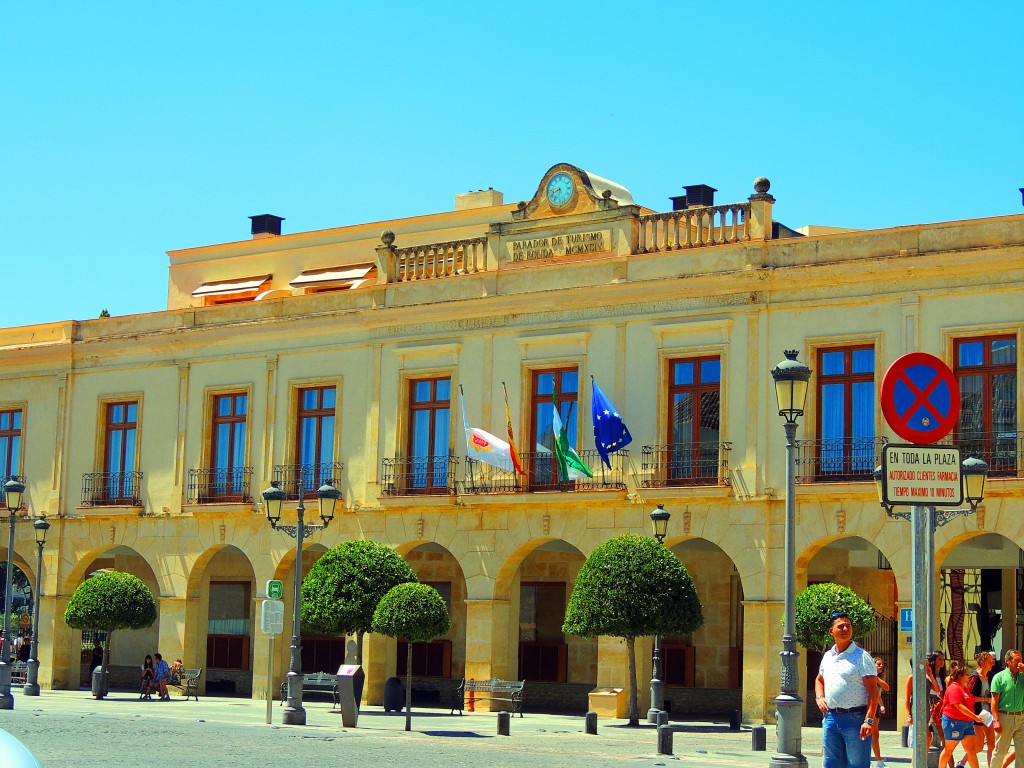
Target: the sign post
(271, 622)
(920, 400)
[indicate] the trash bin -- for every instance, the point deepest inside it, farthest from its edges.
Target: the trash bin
(99, 682)
(394, 695)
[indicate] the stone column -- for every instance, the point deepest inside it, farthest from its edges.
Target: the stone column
(487, 640)
(762, 638)
(387, 259)
(761, 210)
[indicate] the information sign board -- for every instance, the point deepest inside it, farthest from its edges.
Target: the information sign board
(272, 617)
(906, 619)
(924, 475)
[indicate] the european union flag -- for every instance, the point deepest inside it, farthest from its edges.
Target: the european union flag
(610, 434)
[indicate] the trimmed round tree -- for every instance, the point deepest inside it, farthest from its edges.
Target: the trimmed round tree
(342, 589)
(415, 613)
(815, 606)
(107, 602)
(629, 587)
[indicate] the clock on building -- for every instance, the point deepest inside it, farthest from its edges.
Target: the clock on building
(560, 189)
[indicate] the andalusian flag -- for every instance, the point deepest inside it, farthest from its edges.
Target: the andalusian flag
(570, 465)
(483, 446)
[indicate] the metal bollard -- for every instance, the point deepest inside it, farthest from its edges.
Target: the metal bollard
(504, 719)
(664, 739)
(591, 721)
(905, 736)
(662, 717)
(758, 738)
(734, 720)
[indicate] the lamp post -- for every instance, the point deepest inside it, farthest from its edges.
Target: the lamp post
(40, 526)
(13, 491)
(659, 520)
(328, 495)
(791, 378)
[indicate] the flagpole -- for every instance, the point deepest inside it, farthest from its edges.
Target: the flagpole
(465, 426)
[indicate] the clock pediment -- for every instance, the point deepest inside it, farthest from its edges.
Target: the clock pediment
(567, 189)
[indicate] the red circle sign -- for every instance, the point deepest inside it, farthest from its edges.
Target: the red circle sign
(920, 398)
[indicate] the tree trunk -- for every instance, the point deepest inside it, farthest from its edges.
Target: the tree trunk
(408, 686)
(634, 709)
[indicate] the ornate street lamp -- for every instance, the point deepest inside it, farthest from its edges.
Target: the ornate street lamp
(40, 527)
(974, 472)
(659, 521)
(791, 381)
(273, 498)
(13, 493)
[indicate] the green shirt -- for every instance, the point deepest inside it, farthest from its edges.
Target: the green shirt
(1010, 691)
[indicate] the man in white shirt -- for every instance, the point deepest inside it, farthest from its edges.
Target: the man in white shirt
(846, 692)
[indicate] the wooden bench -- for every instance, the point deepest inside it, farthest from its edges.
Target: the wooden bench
(322, 682)
(187, 681)
(508, 691)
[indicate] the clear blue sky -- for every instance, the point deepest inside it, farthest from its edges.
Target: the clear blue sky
(131, 129)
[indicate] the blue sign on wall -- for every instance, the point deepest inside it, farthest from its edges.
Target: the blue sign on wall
(906, 619)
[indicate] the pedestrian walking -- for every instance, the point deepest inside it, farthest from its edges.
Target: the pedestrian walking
(882, 687)
(846, 692)
(1008, 707)
(958, 717)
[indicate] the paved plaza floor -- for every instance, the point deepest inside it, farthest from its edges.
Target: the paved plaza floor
(70, 728)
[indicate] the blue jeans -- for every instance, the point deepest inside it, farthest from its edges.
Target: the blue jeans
(842, 746)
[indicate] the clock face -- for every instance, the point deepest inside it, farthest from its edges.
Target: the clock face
(560, 189)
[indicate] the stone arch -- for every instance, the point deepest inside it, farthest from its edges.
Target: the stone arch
(711, 657)
(862, 553)
(536, 579)
(127, 649)
(980, 584)
(23, 580)
(856, 562)
(445, 658)
(221, 617)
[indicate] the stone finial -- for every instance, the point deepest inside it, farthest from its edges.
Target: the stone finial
(607, 194)
(387, 237)
(762, 185)
(521, 205)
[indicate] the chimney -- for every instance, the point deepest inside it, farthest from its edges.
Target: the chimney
(266, 225)
(678, 202)
(1022, 195)
(699, 194)
(482, 198)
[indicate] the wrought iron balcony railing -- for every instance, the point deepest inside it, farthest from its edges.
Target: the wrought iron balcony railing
(312, 476)
(681, 465)
(112, 489)
(1002, 451)
(541, 470)
(409, 476)
(838, 460)
(224, 485)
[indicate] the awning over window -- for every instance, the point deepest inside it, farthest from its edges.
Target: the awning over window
(349, 276)
(229, 287)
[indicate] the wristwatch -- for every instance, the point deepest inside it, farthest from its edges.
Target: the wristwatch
(870, 721)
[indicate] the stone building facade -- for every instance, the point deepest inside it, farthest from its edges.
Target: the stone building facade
(340, 355)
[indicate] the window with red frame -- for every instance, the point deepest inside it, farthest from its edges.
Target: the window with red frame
(986, 369)
(846, 406)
